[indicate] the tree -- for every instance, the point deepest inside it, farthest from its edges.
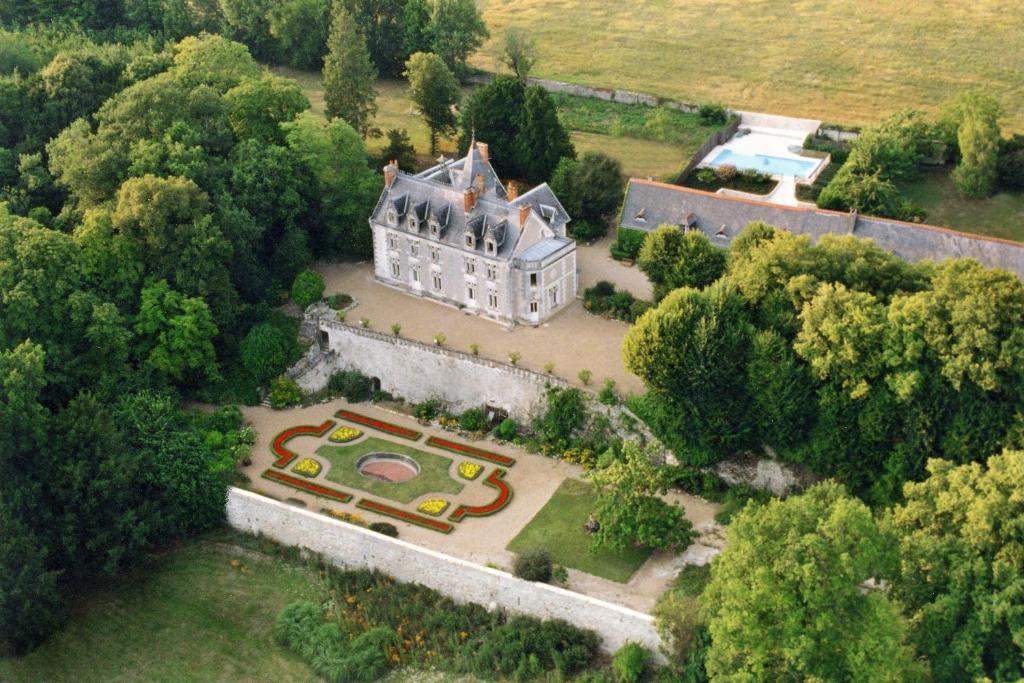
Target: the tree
(458, 30)
(308, 288)
(978, 139)
(383, 26)
(300, 28)
(629, 509)
(786, 600)
(691, 352)
(214, 61)
(434, 90)
(493, 114)
(520, 52)
(399, 149)
(349, 76)
(961, 578)
(542, 141)
(176, 334)
(671, 258)
(781, 391)
(266, 351)
(256, 108)
(416, 27)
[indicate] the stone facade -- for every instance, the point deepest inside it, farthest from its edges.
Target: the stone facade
(353, 547)
(454, 233)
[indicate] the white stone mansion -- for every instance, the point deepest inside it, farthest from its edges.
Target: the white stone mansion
(455, 234)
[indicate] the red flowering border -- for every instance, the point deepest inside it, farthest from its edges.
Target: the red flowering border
(307, 486)
(285, 456)
(418, 520)
(379, 425)
(471, 451)
(494, 480)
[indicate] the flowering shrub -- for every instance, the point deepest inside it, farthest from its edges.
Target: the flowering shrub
(433, 506)
(494, 480)
(449, 423)
(471, 451)
(343, 516)
(469, 470)
(344, 434)
(418, 520)
(307, 467)
(379, 425)
(580, 456)
(307, 486)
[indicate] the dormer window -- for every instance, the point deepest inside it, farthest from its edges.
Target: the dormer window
(470, 240)
(490, 246)
(392, 217)
(435, 229)
(414, 224)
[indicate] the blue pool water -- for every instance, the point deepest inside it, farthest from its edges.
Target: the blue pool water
(766, 164)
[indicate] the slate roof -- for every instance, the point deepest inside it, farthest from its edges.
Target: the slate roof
(439, 192)
(649, 204)
(544, 248)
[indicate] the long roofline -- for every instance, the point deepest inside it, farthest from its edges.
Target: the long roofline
(814, 209)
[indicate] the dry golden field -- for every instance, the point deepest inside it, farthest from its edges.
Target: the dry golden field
(847, 61)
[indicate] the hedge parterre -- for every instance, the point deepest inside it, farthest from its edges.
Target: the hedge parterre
(285, 456)
(307, 486)
(379, 425)
(471, 451)
(418, 520)
(494, 480)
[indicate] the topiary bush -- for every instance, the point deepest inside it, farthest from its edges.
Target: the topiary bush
(630, 663)
(473, 420)
(507, 430)
(533, 565)
(308, 288)
(266, 351)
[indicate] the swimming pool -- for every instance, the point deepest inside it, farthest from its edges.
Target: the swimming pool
(766, 164)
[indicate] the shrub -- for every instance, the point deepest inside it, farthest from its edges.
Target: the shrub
(296, 621)
(429, 409)
(265, 351)
(603, 288)
(284, 392)
(364, 322)
(628, 243)
(585, 376)
(677, 618)
(630, 662)
(385, 528)
(726, 172)
(507, 430)
(473, 420)
(712, 114)
(396, 329)
(607, 395)
(339, 301)
(307, 288)
(533, 565)
(352, 384)
(440, 339)
(706, 176)
(474, 349)
(549, 367)
(524, 648)
(514, 357)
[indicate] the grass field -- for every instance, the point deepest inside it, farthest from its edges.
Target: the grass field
(848, 61)
(433, 477)
(639, 157)
(1001, 215)
(558, 528)
(186, 616)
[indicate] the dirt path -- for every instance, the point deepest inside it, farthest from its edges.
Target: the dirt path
(533, 479)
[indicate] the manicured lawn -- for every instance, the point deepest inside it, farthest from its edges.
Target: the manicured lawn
(433, 477)
(188, 615)
(837, 60)
(558, 528)
(1001, 215)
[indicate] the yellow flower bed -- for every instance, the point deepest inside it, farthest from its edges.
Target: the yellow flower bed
(307, 467)
(433, 506)
(343, 434)
(469, 470)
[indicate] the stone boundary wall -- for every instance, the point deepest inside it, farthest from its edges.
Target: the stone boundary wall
(417, 371)
(719, 137)
(353, 547)
(606, 94)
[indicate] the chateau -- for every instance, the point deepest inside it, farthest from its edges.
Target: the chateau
(455, 234)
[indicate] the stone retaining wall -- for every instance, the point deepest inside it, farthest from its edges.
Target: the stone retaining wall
(353, 547)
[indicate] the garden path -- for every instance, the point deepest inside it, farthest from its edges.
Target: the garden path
(533, 479)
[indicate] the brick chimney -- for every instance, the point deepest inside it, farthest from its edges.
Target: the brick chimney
(480, 184)
(524, 213)
(513, 191)
(484, 150)
(469, 198)
(390, 173)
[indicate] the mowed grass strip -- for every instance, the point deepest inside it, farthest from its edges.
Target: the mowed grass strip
(1001, 215)
(558, 528)
(434, 474)
(187, 615)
